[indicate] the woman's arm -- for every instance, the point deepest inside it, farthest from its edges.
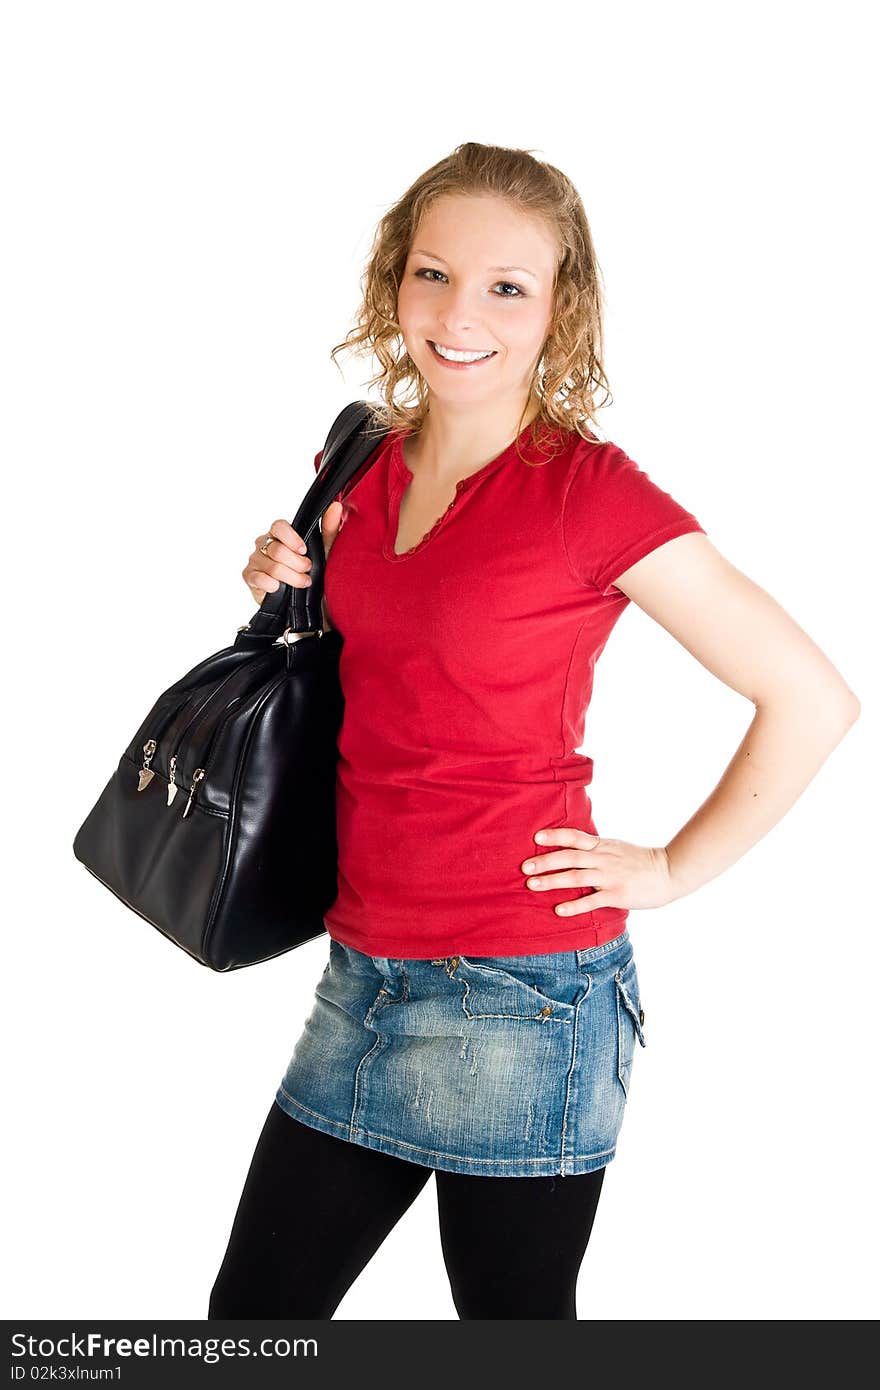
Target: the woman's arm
(744, 637)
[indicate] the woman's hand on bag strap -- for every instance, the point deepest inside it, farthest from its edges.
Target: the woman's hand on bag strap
(279, 557)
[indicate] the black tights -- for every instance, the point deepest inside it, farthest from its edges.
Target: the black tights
(315, 1209)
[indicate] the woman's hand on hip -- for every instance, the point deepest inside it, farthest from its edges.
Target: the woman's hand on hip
(622, 875)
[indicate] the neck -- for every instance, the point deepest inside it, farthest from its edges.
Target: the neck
(453, 443)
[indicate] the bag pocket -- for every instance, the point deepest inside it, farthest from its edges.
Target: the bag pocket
(519, 988)
(630, 1018)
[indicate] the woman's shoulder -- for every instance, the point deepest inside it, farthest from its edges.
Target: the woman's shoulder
(585, 454)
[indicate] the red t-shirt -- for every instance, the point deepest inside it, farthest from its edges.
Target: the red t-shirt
(467, 668)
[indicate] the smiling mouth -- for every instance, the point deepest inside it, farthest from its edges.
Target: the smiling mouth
(456, 362)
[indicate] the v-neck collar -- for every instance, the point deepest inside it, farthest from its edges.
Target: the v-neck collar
(400, 476)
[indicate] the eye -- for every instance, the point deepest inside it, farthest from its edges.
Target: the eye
(432, 270)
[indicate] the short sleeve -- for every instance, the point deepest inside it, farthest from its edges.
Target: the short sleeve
(614, 514)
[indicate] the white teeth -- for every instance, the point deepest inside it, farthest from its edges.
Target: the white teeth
(459, 356)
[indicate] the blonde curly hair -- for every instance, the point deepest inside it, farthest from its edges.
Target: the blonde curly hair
(570, 369)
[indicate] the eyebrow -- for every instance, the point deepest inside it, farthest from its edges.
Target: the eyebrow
(504, 269)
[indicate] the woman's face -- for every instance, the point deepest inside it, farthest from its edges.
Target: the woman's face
(479, 277)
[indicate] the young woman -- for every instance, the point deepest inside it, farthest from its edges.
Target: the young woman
(480, 1009)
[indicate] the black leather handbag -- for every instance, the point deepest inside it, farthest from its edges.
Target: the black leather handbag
(218, 825)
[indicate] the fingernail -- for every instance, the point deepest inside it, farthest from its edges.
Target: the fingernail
(303, 549)
(541, 836)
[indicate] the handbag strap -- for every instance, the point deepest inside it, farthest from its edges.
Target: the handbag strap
(353, 437)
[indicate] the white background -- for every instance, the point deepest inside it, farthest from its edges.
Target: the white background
(191, 191)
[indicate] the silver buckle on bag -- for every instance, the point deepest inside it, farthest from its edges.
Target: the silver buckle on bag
(288, 636)
(283, 639)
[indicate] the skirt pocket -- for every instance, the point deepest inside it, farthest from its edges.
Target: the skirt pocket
(523, 987)
(630, 1018)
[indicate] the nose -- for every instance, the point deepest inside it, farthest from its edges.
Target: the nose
(459, 316)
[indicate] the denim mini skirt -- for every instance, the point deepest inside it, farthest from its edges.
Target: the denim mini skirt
(506, 1066)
